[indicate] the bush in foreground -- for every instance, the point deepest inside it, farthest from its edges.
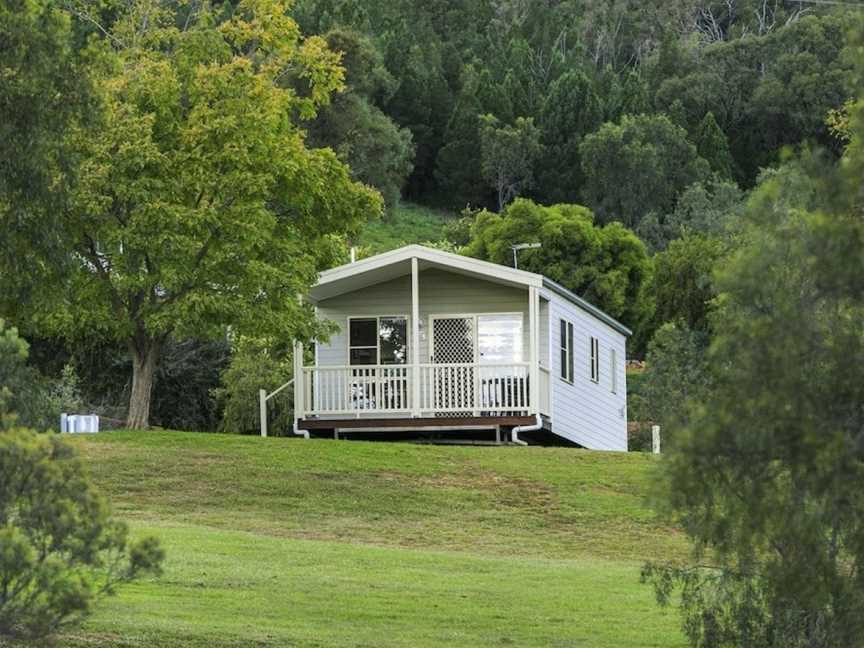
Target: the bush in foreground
(60, 550)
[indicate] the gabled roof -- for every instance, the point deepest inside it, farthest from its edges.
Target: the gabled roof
(397, 263)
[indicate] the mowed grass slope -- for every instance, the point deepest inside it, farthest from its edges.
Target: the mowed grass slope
(284, 542)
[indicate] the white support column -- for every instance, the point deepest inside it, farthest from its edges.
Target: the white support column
(534, 345)
(262, 410)
(414, 345)
(299, 383)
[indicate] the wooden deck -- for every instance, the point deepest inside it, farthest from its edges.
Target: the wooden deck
(383, 424)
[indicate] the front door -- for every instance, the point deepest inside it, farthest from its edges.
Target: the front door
(453, 340)
(453, 347)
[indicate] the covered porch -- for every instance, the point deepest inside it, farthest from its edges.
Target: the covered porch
(427, 338)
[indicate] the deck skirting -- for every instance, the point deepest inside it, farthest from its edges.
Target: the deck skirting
(452, 422)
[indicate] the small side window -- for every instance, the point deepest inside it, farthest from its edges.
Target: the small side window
(566, 344)
(595, 359)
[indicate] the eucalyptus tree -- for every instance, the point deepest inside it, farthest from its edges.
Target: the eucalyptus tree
(509, 154)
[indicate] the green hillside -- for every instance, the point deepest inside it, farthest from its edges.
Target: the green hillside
(283, 542)
(405, 224)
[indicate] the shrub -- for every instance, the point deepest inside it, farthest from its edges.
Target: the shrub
(22, 388)
(60, 550)
(255, 365)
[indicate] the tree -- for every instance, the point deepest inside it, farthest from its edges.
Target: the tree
(676, 373)
(197, 204)
(378, 152)
(711, 208)
(712, 145)
(638, 166)
(682, 283)
(571, 110)
(43, 92)
(766, 478)
(458, 165)
(606, 265)
(255, 364)
(509, 154)
(60, 549)
(24, 396)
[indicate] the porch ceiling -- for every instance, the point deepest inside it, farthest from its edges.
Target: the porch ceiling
(390, 265)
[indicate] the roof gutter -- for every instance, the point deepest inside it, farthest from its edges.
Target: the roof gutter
(586, 306)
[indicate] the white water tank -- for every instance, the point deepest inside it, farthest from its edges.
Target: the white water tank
(79, 423)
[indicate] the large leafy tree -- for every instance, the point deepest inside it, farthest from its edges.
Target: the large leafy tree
(606, 265)
(197, 204)
(638, 166)
(43, 91)
(766, 479)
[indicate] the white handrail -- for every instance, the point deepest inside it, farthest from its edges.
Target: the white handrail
(263, 397)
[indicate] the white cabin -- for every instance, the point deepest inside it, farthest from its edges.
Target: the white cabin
(432, 340)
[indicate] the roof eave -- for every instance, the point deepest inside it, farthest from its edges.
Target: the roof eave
(586, 306)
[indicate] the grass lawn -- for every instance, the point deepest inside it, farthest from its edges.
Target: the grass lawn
(405, 224)
(283, 542)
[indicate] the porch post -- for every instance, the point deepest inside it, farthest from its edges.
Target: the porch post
(415, 338)
(533, 343)
(299, 382)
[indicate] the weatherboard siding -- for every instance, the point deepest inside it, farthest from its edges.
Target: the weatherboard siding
(441, 293)
(586, 412)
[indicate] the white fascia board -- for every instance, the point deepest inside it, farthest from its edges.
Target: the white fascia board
(447, 259)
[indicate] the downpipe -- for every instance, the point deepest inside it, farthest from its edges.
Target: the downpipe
(298, 432)
(519, 429)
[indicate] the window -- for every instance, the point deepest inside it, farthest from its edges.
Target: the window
(613, 370)
(566, 351)
(393, 340)
(595, 359)
(499, 337)
(377, 340)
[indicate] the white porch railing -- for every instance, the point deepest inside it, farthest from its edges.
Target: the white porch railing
(454, 388)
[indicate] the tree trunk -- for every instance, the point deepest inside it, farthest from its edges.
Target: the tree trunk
(145, 355)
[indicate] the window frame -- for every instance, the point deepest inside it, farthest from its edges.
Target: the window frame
(594, 359)
(566, 350)
(377, 346)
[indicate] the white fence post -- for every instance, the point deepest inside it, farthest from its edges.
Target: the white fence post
(262, 403)
(655, 439)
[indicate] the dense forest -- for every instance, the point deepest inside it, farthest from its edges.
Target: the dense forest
(510, 97)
